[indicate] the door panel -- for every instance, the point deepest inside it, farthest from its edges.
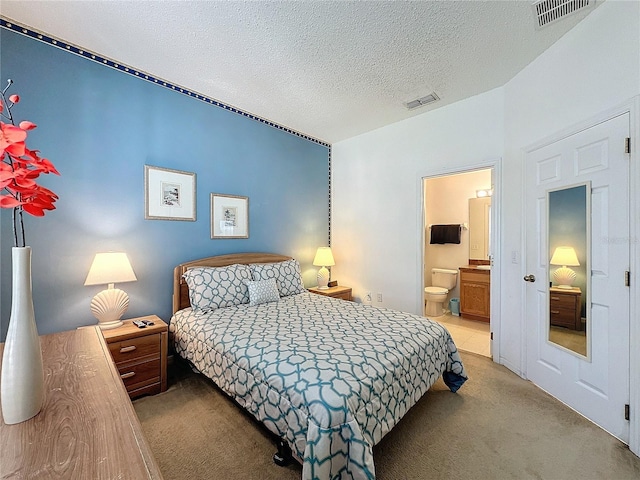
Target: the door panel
(596, 385)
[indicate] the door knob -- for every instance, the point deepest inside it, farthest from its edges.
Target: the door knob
(530, 278)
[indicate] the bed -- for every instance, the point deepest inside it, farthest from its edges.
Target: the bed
(327, 376)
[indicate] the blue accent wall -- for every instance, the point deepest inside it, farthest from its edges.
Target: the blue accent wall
(100, 126)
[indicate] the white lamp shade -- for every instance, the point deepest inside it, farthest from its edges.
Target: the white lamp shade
(565, 256)
(324, 257)
(110, 267)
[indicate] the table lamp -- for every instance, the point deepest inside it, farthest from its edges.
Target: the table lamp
(109, 305)
(324, 259)
(564, 276)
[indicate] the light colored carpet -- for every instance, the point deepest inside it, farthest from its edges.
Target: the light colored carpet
(497, 426)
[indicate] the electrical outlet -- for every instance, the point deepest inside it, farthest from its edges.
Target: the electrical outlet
(367, 297)
(380, 298)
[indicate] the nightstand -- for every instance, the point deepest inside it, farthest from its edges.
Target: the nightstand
(564, 307)
(343, 293)
(140, 355)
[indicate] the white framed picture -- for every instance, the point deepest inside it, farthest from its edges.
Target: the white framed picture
(229, 216)
(169, 194)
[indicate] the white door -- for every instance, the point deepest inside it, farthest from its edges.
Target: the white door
(596, 384)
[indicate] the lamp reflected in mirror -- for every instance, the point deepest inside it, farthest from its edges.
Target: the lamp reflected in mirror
(564, 276)
(569, 231)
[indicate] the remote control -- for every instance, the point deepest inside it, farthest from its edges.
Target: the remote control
(148, 322)
(139, 323)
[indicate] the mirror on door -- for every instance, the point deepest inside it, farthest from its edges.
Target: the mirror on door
(569, 258)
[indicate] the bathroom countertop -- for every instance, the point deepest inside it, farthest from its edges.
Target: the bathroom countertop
(477, 268)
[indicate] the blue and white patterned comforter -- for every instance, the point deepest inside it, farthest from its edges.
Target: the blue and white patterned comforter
(330, 377)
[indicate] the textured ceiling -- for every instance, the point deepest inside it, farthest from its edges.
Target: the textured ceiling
(328, 69)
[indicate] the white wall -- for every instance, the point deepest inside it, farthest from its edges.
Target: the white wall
(377, 193)
(376, 188)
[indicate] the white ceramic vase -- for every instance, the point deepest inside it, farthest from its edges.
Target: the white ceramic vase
(22, 389)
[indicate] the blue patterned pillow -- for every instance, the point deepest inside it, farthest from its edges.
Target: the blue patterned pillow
(263, 291)
(287, 275)
(217, 287)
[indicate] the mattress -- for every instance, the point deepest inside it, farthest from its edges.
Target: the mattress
(329, 377)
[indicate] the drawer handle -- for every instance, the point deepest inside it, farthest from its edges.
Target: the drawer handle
(124, 376)
(555, 298)
(555, 312)
(130, 348)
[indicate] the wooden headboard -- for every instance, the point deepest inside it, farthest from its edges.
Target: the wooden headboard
(180, 289)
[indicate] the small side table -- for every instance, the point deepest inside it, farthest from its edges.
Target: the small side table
(564, 307)
(343, 293)
(140, 355)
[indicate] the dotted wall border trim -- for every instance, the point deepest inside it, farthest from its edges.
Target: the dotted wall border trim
(42, 37)
(330, 187)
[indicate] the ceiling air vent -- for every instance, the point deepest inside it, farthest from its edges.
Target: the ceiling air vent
(550, 11)
(420, 102)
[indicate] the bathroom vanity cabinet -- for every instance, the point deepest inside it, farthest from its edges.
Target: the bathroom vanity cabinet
(475, 293)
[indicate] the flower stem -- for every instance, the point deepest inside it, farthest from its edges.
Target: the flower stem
(15, 232)
(22, 227)
(7, 111)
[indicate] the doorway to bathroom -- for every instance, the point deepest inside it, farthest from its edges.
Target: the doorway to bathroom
(460, 205)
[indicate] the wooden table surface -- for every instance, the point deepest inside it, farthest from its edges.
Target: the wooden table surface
(87, 428)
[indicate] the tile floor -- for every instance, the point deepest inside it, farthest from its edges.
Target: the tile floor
(468, 335)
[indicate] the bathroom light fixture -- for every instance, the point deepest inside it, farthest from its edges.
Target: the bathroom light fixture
(109, 305)
(564, 276)
(487, 192)
(324, 259)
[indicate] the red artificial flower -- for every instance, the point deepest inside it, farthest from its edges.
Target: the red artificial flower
(7, 201)
(39, 200)
(27, 125)
(20, 168)
(12, 139)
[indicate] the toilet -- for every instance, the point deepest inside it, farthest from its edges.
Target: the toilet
(442, 280)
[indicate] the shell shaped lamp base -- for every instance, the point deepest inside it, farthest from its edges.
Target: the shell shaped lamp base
(323, 278)
(564, 278)
(108, 306)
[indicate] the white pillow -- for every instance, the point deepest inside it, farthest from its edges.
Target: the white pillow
(286, 274)
(217, 287)
(263, 291)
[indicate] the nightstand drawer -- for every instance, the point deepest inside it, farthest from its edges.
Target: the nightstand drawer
(561, 310)
(563, 301)
(562, 313)
(135, 348)
(140, 374)
(563, 318)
